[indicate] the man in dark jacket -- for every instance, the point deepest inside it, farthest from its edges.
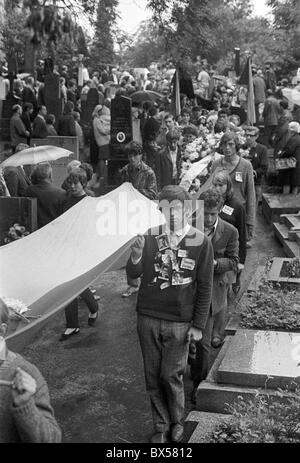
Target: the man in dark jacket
(176, 264)
(271, 114)
(39, 129)
(66, 123)
(224, 239)
(26, 118)
(167, 162)
(18, 132)
(49, 197)
(16, 178)
(152, 125)
(29, 96)
(258, 158)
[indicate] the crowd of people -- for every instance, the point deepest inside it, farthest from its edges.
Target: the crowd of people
(182, 289)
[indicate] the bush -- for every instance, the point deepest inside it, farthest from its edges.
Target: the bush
(271, 308)
(261, 420)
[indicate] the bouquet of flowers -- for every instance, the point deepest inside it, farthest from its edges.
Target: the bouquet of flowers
(15, 233)
(16, 308)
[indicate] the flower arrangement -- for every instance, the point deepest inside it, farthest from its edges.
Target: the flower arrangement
(201, 147)
(14, 233)
(16, 309)
(15, 305)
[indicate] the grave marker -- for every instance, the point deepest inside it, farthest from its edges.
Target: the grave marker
(261, 359)
(121, 126)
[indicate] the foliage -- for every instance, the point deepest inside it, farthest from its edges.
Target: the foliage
(213, 29)
(261, 420)
(292, 268)
(102, 50)
(271, 308)
(146, 47)
(13, 34)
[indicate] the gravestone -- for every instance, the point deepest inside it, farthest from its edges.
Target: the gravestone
(53, 99)
(277, 273)
(262, 359)
(288, 233)
(59, 167)
(121, 126)
(17, 210)
(274, 205)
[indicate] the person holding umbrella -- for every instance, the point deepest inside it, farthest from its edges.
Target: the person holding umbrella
(16, 179)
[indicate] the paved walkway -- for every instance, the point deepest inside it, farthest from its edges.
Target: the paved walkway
(96, 378)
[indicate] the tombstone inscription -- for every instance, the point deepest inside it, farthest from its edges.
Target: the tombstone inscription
(121, 126)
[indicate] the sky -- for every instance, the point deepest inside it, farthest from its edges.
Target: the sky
(134, 11)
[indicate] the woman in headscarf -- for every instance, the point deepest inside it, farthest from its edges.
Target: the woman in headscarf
(100, 139)
(290, 178)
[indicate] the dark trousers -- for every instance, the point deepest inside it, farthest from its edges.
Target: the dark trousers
(71, 311)
(200, 365)
(164, 348)
(269, 134)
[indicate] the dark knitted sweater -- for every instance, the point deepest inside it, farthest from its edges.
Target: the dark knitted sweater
(188, 302)
(32, 422)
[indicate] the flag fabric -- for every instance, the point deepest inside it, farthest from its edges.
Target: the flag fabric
(49, 268)
(247, 80)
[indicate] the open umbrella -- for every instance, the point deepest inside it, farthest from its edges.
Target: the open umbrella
(109, 84)
(149, 95)
(36, 155)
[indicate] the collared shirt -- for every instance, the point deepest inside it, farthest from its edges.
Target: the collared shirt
(176, 236)
(209, 232)
(173, 155)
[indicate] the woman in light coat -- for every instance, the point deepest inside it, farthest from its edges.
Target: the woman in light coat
(101, 136)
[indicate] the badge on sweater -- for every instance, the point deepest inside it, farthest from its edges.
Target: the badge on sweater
(182, 253)
(188, 264)
(177, 278)
(165, 285)
(239, 177)
(228, 210)
(162, 242)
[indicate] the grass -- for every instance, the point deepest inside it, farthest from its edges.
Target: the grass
(261, 420)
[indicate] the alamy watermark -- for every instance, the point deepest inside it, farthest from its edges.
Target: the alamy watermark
(131, 217)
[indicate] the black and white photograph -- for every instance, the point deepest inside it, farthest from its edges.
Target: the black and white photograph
(125, 320)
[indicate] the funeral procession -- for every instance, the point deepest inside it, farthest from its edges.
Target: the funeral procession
(150, 224)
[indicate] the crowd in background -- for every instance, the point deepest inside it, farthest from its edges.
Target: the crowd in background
(211, 123)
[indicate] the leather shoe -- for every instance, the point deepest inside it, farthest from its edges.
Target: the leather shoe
(177, 433)
(65, 336)
(159, 438)
(92, 321)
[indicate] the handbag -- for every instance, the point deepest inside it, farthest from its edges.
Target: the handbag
(285, 163)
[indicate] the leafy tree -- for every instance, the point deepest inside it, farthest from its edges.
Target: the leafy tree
(102, 50)
(146, 47)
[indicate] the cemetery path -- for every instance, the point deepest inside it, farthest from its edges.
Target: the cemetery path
(96, 378)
